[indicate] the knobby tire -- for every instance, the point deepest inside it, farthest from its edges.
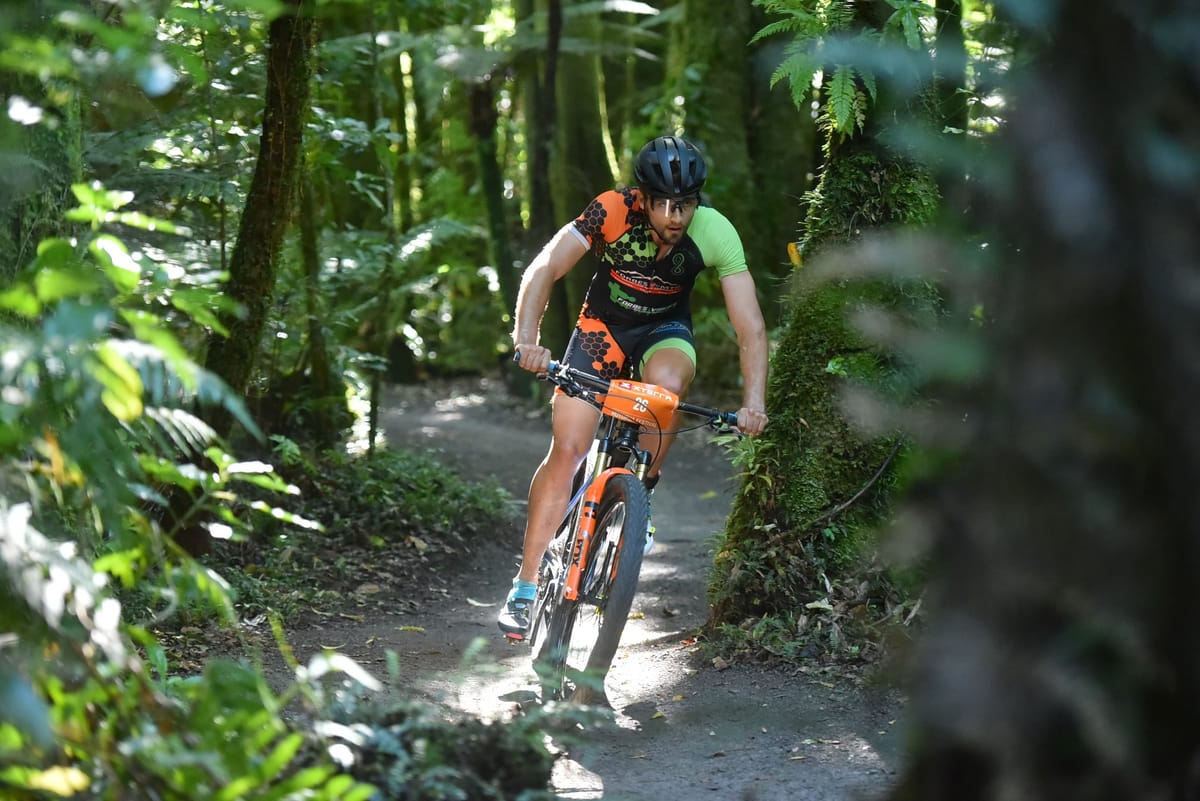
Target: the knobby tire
(581, 636)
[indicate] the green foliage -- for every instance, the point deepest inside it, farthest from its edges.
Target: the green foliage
(100, 418)
(819, 483)
(411, 752)
(399, 491)
(860, 191)
(831, 38)
(92, 718)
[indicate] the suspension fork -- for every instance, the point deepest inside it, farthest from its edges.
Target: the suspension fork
(624, 440)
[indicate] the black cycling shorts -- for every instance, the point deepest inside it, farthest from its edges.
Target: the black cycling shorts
(621, 351)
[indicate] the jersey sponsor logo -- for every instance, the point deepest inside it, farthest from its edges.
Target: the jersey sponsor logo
(625, 301)
(651, 285)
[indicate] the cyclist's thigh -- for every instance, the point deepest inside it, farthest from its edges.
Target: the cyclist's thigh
(594, 348)
(665, 354)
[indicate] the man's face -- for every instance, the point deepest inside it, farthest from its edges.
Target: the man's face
(670, 217)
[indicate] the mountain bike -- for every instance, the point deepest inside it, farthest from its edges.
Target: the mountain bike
(589, 575)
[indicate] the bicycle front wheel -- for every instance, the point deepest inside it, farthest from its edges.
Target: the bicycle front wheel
(607, 586)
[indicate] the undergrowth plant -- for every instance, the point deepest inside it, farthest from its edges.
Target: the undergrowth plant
(100, 421)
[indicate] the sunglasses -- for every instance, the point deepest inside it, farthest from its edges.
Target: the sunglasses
(667, 205)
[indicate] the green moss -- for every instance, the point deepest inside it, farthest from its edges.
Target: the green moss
(814, 487)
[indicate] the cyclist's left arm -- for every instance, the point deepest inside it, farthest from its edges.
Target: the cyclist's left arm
(741, 303)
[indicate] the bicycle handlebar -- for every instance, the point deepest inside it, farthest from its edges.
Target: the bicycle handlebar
(569, 379)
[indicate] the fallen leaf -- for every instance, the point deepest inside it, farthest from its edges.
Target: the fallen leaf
(708, 496)
(679, 698)
(355, 618)
(368, 589)
(796, 758)
(716, 754)
(417, 629)
(473, 602)
(720, 664)
(637, 615)
(657, 715)
(418, 543)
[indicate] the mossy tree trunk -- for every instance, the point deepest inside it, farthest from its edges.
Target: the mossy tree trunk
(271, 198)
(1060, 662)
(815, 486)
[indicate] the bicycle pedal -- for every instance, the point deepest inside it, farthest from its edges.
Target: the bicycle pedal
(514, 639)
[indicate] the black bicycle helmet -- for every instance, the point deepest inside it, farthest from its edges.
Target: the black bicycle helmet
(668, 166)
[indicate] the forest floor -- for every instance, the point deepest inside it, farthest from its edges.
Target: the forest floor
(685, 726)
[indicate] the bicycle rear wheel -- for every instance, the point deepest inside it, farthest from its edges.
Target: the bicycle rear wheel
(588, 630)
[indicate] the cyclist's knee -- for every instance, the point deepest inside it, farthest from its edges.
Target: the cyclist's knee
(671, 369)
(676, 381)
(568, 452)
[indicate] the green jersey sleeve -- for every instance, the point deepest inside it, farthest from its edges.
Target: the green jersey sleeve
(718, 241)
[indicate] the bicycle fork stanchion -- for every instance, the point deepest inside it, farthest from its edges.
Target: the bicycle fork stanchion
(587, 528)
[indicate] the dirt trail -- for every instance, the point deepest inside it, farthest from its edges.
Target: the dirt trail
(685, 730)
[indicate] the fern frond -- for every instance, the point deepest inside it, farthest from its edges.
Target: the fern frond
(843, 97)
(177, 431)
(868, 80)
(840, 14)
(799, 24)
(170, 381)
(798, 66)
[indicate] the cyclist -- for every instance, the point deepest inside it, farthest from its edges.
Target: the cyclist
(651, 242)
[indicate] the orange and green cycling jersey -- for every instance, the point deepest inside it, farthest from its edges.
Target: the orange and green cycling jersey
(634, 283)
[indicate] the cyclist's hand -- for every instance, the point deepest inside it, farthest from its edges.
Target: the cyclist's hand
(751, 421)
(533, 358)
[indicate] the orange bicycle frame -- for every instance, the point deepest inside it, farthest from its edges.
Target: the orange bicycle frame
(636, 402)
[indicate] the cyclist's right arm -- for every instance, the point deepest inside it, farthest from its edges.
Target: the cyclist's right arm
(554, 261)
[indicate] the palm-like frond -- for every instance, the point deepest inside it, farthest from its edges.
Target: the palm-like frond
(847, 103)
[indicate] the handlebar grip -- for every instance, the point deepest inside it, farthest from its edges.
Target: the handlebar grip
(553, 364)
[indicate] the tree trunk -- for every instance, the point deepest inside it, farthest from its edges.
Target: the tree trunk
(1060, 663)
(325, 400)
(784, 534)
(540, 114)
(783, 148)
(580, 168)
(403, 171)
(483, 120)
(271, 198)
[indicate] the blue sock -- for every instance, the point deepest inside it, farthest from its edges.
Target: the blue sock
(526, 590)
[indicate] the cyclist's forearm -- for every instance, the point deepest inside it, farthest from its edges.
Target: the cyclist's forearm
(753, 352)
(532, 299)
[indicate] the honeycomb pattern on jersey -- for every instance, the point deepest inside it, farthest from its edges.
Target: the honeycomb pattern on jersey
(634, 247)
